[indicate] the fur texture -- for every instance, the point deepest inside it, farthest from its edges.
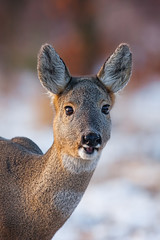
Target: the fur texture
(116, 71)
(52, 71)
(76, 165)
(40, 191)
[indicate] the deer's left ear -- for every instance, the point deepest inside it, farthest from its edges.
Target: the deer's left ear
(116, 71)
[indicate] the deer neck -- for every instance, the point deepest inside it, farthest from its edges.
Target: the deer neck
(68, 172)
(64, 180)
(62, 165)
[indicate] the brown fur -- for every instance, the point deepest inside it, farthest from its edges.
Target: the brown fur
(40, 191)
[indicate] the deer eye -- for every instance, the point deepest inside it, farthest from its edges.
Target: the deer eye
(105, 109)
(69, 110)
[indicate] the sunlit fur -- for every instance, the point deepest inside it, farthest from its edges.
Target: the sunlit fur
(40, 191)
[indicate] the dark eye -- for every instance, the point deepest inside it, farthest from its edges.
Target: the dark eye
(69, 110)
(105, 109)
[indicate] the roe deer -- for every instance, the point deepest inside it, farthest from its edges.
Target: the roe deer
(40, 191)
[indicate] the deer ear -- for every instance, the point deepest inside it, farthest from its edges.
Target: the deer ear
(52, 71)
(116, 71)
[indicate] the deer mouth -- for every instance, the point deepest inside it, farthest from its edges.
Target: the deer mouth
(89, 152)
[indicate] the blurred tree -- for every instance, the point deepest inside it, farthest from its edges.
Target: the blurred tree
(82, 31)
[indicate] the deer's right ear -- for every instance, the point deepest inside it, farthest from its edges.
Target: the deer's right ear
(52, 71)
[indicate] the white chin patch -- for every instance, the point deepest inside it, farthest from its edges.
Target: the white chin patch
(84, 163)
(88, 156)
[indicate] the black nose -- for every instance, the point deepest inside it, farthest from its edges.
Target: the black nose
(91, 139)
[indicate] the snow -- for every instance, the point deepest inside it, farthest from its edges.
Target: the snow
(122, 200)
(18, 113)
(113, 210)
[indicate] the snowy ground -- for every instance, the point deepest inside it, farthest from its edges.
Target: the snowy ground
(122, 201)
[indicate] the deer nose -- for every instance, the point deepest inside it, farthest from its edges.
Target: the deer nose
(91, 139)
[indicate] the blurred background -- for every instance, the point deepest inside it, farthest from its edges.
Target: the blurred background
(122, 201)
